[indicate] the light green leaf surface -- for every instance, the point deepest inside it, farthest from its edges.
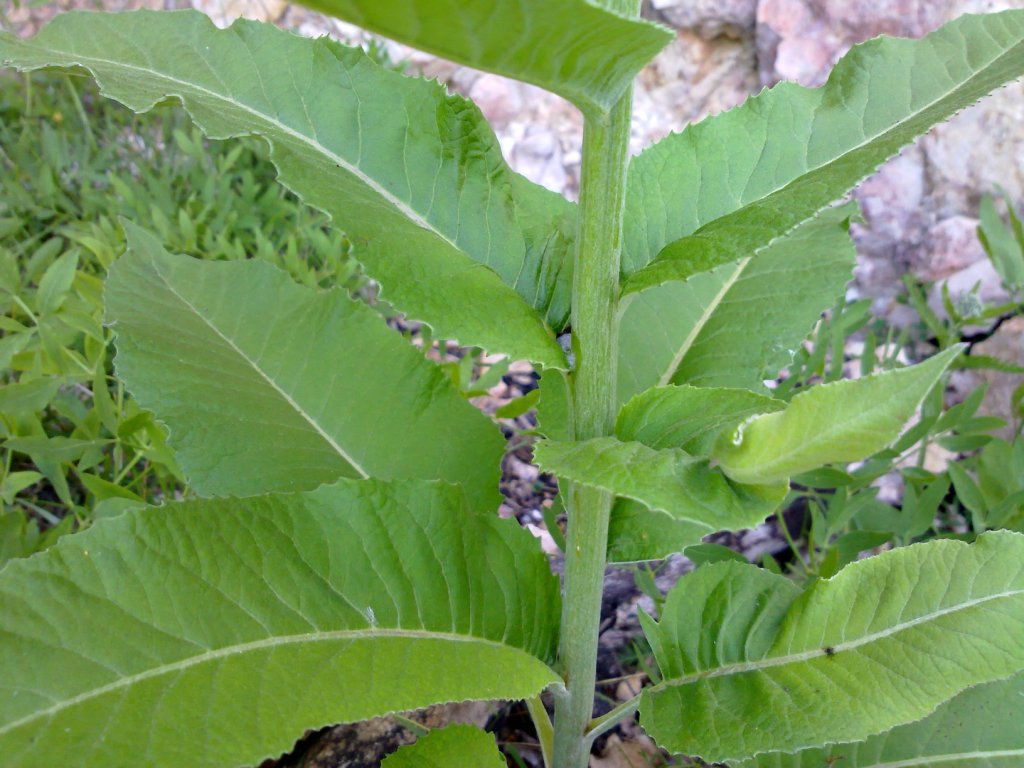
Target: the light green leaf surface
(28, 396)
(979, 728)
(838, 422)
(455, 745)
(270, 386)
(730, 185)
(412, 174)
(685, 495)
(1001, 242)
(637, 533)
(56, 283)
(738, 324)
(688, 417)
(554, 410)
(213, 633)
(574, 48)
(881, 644)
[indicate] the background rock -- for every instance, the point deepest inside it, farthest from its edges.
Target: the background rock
(710, 18)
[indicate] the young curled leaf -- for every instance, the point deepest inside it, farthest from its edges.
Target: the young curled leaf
(839, 422)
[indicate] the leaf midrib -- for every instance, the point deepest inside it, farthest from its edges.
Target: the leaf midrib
(241, 648)
(338, 160)
(262, 374)
(712, 307)
(793, 658)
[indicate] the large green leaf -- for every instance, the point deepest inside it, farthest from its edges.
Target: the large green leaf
(412, 174)
(838, 422)
(881, 644)
(461, 745)
(212, 633)
(574, 48)
(979, 728)
(686, 499)
(727, 187)
(270, 386)
(740, 323)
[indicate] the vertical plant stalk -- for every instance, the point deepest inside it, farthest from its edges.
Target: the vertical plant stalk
(595, 342)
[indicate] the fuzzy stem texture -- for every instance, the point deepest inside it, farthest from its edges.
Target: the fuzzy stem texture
(595, 342)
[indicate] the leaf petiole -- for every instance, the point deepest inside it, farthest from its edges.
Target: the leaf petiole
(609, 720)
(545, 730)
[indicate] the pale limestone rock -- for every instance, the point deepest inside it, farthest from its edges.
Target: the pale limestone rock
(500, 99)
(982, 275)
(223, 12)
(977, 150)
(951, 245)
(710, 18)
(689, 80)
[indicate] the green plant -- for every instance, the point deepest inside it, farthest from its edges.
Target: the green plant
(349, 534)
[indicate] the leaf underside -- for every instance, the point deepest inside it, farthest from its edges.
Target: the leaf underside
(881, 644)
(270, 386)
(413, 175)
(738, 324)
(574, 48)
(199, 617)
(842, 421)
(727, 187)
(979, 728)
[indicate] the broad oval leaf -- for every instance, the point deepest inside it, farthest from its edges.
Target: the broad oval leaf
(979, 728)
(574, 48)
(685, 497)
(412, 174)
(736, 325)
(738, 181)
(270, 386)
(461, 745)
(212, 633)
(842, 421)
(881, 644)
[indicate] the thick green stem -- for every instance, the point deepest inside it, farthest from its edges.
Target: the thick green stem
(595, 342)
